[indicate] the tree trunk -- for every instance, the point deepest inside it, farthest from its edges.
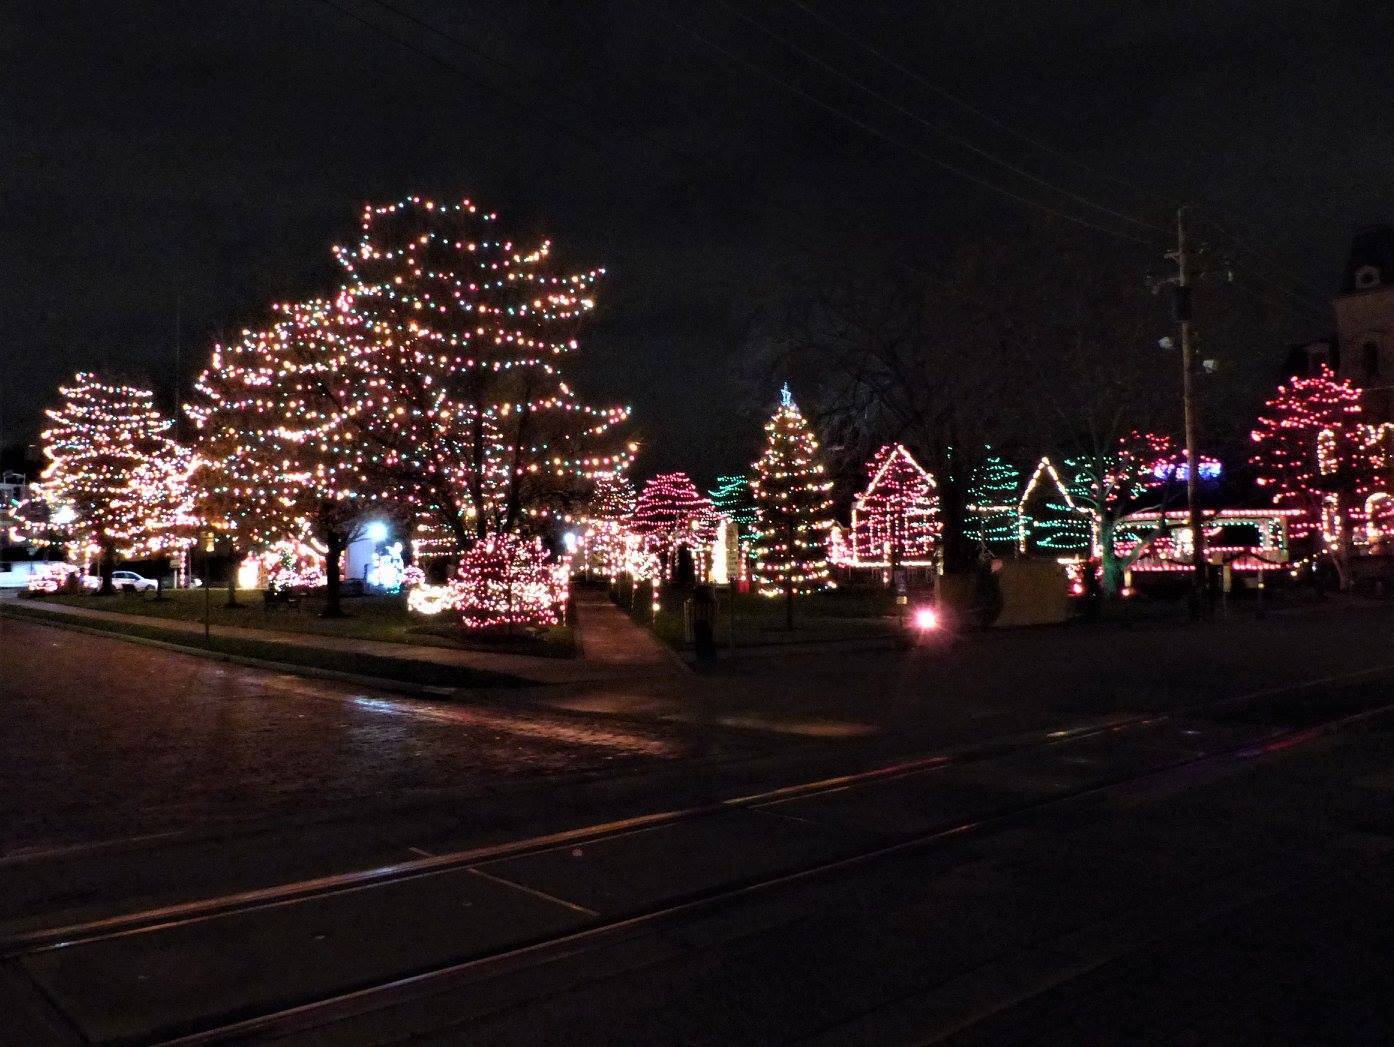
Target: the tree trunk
(959, 554)
(1111, 571)
(334, 542)
(108, 565)
(160, 581)
(232, 581)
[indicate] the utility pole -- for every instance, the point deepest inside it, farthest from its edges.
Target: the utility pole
(1181, 310)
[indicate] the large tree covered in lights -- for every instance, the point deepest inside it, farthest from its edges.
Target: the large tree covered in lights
(607, 515)
(1135, 476)
(791, 491)
(283, 460)
(671, 514)
(451, 337)
(1311, 453)
(107, 445)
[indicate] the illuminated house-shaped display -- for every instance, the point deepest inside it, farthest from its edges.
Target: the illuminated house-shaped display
(1048, 518)
(895, 521)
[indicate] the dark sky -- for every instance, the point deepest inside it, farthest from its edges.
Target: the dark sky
(176, 166)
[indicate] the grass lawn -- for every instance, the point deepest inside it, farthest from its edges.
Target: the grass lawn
(836, 614)
(370, 618)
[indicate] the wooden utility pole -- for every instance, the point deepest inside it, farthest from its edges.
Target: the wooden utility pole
(1181, 299)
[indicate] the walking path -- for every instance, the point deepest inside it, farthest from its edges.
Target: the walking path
(612, 646)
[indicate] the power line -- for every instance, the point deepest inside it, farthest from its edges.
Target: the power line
(969, 107)
(878, 133)
(1034, 142)
(1259, 256)
(938, 129)
(601, 147)
(604, 148)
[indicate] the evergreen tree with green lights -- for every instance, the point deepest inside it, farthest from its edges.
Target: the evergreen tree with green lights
(733, 498)
(993, 493)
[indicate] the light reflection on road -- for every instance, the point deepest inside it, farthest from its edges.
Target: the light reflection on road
(522, 725)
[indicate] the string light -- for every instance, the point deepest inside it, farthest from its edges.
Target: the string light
(895, 520)
(116, 483)
(994, 504)
(1311, 448)
(670, 514)
(791, 491)
(507, 580)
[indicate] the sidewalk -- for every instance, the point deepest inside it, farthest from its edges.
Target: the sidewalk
(612, 647)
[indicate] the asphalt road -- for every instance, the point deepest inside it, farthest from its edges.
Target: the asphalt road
(101, 739)
(1020, 893)
(1067, 833)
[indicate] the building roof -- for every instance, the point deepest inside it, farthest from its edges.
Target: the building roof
(1371, 261)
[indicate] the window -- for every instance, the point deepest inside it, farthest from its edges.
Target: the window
(1327, 460)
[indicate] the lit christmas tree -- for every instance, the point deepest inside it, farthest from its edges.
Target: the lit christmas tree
(106, 446)
(505, 580)
(282, 460)
(450, 336)
(895, 521)
(613, 498)
(791, 492)
(1312, 453)
(671, 514)
(993, 494)
(732, 498)
(606, 535)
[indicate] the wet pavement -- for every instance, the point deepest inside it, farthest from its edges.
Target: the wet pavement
(919, 902)
(102, 738)
(135, 779)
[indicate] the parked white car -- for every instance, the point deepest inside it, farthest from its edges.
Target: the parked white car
(51, 576)
(130, 580)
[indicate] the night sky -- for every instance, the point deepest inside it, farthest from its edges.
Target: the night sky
(171, 168)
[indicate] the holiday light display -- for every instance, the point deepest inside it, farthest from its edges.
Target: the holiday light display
(603, 543)
(54, 576)
(895, 521)
(1248, 540)
(994, 494)
(670, 514)
(430, 600)
(791, 492)
(1056, 524)
(1313, 454)
(732, 498)
(447, 342)
(506, 580)
(282, 460)
(159, 499)
(385, 572)
(115, 479)
(1175, 469)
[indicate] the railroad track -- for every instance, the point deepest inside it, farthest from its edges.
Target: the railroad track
(589, 926)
